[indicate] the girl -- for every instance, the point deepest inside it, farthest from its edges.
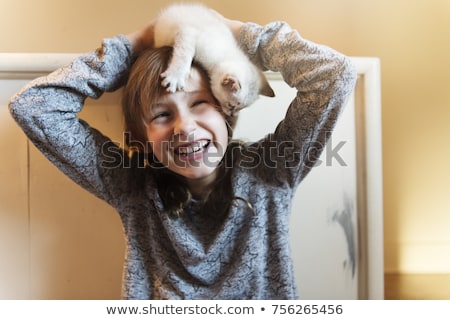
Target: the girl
(204, 217)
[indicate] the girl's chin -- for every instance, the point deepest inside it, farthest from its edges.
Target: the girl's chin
(195, 169)
(195, 173)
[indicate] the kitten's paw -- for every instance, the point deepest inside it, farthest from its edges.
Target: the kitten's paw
(174, 81)
(172, 85)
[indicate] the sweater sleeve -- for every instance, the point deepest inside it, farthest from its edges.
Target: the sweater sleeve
(47, 110)
(324, 80)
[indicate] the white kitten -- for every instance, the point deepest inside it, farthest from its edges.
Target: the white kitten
(197, 33)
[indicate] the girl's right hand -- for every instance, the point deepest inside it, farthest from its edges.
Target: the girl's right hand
(142, 39)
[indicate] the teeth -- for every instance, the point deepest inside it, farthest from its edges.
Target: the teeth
(194, 147)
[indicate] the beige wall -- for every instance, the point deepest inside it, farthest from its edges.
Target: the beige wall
(411, 37)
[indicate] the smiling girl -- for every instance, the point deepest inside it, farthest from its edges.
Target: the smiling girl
(206, 217)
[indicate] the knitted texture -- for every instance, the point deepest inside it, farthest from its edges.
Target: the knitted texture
(240, 255)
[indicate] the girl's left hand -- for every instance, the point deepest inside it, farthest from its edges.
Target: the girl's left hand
(234, 25)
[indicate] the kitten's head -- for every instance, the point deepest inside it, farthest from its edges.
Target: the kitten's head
(237, 86)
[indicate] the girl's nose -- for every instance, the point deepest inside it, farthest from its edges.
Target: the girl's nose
(185, 125)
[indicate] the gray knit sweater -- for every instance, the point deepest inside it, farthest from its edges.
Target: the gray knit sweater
(241, 256)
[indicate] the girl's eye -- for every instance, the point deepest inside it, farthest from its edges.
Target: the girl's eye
(199, 102)
(160, 116)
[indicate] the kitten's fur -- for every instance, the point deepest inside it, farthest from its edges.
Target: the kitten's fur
(196, 32)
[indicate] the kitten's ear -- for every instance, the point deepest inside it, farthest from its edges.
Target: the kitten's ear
(231, 83)
(266, 89)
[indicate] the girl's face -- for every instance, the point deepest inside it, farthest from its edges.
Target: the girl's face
(187, 133)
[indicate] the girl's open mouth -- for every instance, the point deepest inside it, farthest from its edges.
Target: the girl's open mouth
(192, 149)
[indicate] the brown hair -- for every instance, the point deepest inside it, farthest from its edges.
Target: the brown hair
(143, 88)
(139, 94)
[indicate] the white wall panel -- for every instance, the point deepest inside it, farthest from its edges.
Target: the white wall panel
(14, 226)
(59, 242)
